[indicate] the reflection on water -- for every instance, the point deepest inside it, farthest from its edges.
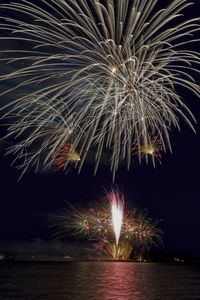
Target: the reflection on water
(99, 281)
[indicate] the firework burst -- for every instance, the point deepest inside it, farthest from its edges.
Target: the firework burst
(112, 66)
(137, 232)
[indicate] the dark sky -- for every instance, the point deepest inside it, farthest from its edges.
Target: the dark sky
(170, 192)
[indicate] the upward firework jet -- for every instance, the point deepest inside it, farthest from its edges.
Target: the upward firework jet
(103, 73)
(117, 209)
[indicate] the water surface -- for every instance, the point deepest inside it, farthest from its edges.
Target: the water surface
(99, 281)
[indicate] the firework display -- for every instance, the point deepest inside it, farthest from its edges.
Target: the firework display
(134, 233)
(103, 75)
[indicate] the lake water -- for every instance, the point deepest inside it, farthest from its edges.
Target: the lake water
(99, 281)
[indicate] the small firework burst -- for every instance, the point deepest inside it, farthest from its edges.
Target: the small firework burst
(121, 251)
(151, 149)
(65, 154)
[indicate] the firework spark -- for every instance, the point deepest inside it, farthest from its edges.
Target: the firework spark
(112, 66)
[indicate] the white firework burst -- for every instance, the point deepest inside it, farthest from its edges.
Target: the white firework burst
(104, 74)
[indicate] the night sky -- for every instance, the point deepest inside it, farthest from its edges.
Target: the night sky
(170, 192)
